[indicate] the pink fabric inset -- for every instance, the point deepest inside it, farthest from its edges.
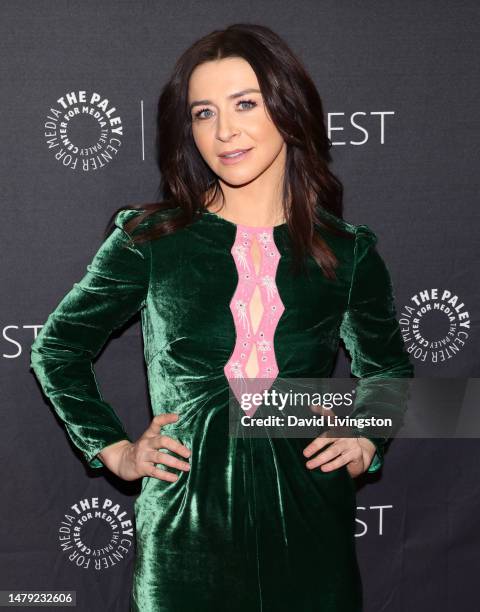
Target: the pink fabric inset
(254, 348)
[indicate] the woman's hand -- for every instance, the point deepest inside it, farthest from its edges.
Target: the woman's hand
(132, 460)
(355, 453)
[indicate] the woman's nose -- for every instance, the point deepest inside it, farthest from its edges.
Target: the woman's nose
(226, 127)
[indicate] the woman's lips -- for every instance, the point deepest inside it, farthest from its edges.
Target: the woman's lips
(228, 161)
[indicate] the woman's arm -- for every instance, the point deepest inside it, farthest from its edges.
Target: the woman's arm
(372, 336)
(113, 289)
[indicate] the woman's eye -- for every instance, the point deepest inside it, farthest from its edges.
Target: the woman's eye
(200, 114)
(251, 102)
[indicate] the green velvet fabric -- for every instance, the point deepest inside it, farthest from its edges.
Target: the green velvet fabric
(249, 527)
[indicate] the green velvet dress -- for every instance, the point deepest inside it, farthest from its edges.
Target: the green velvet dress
(249, 528)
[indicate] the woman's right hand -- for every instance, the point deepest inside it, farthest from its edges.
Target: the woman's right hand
(133, 460)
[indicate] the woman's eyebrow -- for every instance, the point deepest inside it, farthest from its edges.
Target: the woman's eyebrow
(231, 96)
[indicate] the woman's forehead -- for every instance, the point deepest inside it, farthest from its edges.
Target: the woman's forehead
(224, 77)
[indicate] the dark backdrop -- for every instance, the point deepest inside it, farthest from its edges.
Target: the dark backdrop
(399, 81)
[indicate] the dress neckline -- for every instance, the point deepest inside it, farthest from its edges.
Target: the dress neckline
(242, 225)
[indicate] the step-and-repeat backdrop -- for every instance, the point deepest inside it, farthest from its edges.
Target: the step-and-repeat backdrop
(400, 90)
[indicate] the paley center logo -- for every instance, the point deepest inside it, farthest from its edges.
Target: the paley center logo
(435, 325)
(84, 130)
(96, 533)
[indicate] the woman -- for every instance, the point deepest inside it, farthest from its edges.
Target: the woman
(245, 271)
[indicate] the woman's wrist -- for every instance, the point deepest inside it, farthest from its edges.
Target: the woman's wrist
(368, 449)
(111, 454)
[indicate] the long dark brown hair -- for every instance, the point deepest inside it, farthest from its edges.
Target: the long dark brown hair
(296, 109)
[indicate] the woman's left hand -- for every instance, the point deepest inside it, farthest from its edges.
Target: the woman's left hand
(355, 453)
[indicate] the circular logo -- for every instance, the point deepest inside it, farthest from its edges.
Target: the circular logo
(97, 534)
(83, 131)
(435, 325)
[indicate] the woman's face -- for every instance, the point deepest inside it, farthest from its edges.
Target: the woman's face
(223, 121)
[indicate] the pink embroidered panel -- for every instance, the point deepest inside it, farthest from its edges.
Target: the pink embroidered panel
(256, 308)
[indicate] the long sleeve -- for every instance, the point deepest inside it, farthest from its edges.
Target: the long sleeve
(372, 336)
(113, 289)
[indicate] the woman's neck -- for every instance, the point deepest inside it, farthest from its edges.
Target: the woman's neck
(250, 213)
